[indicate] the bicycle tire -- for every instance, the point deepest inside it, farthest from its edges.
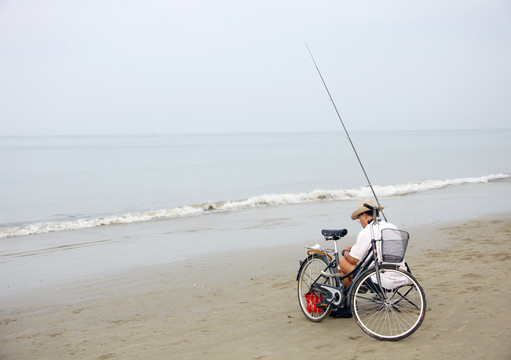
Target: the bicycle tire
(388, 314)
(309, 271)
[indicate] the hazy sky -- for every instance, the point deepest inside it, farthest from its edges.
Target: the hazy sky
(129, 67)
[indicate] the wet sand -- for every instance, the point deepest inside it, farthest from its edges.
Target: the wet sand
(243, 305)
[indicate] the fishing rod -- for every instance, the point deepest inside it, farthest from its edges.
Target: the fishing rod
(345, 130)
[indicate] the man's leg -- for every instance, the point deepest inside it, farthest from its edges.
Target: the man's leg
(346, 268)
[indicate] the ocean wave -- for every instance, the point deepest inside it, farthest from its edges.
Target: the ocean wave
(256, 201)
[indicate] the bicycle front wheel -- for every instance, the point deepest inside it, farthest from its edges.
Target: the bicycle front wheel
(309, 272)
(391, 311)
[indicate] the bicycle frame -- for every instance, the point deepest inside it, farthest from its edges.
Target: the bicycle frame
(386, 301)
(342, 292)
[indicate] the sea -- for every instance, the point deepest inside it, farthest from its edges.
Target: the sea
(80, 205)
(73, 182)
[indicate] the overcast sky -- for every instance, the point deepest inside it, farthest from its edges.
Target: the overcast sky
(144, 67)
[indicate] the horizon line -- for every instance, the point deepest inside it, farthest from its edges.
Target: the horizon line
(156, 134)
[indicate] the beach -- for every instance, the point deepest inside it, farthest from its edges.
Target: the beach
(243, 305)
(187, 247)
(166, 165)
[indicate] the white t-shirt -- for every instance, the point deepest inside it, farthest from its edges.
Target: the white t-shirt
(363, 245)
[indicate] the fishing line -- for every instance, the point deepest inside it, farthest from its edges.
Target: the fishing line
(345, 130)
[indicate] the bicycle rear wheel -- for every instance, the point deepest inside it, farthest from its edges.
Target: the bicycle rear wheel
(390, 312)
(310, 271)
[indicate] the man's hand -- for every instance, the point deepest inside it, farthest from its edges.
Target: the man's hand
(346, 249)
(348, 257)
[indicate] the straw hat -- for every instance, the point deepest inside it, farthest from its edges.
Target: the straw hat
(362, 209)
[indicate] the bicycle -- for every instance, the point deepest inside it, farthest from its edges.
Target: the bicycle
(387, 302)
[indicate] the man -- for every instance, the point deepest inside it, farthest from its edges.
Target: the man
(351, 255)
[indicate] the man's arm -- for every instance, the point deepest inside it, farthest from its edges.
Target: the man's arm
(348, 257)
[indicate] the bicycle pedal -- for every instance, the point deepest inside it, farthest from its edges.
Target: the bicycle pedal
(331, 294)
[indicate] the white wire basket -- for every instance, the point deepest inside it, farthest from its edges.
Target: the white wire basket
(393, 245)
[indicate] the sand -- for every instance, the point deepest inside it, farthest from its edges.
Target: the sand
(243, 305)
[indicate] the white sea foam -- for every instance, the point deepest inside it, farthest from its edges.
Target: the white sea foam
(262, 200)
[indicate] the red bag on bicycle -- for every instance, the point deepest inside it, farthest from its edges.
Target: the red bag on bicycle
(313, 299)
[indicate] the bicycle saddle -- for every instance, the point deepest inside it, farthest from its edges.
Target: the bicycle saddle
(334, 234)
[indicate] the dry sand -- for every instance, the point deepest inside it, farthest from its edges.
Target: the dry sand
(244, 306)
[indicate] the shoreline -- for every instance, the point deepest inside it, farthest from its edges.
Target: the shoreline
(52, 258)
(224, 206)
(242, 304)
